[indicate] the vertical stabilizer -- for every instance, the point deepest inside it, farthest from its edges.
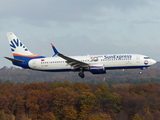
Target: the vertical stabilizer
(20, 52)
(17, 47)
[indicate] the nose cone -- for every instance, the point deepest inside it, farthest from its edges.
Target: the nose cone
(153, 62)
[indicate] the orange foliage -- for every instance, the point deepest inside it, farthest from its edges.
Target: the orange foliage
(79, 101)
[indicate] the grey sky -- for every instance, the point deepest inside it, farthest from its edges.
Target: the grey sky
(79, 27)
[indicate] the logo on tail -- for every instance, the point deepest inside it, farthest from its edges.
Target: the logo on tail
(16, 43)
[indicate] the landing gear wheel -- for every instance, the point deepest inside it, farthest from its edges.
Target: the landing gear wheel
(140, 72)
(81, 75)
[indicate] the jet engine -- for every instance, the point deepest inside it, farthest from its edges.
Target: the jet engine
(97, 69)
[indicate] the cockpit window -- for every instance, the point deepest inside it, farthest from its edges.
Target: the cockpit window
(146, 57)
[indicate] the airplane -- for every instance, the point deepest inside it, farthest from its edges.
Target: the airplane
(96, 64)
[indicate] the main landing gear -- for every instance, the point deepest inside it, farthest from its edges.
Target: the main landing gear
(81, 73)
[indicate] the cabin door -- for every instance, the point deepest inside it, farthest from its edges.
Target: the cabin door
(34, 63)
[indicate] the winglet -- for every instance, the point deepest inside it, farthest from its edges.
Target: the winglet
(55, 50)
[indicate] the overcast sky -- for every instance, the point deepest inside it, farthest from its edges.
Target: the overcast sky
(80, 27)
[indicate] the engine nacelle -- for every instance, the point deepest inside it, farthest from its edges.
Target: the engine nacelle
(97, 69)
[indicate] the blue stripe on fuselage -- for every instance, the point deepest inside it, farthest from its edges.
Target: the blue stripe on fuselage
(126, 67)
(106, 68)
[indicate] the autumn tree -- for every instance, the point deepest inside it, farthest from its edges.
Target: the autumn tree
(100, 116)
(86, 102)
(136, 117)
(63, 97)
(106, 100)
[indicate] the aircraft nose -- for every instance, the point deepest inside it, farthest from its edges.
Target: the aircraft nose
(153, 62)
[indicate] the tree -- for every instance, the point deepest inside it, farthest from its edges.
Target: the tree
(6, 104)
(48, 116)
(85, 104)
(31, 105)
(60, 84)
(81, 87)
(136, 117)
(99, 116)
(69, 113)
(63, 97)
(45, 102)
(107, 101)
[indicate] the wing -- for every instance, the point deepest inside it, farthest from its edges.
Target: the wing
(72, 62)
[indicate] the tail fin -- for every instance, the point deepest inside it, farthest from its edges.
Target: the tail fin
(17, 47)
(20, 53)
(19, 50)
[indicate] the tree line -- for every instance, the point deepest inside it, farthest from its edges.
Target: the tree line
(79, 101)
(19, 76)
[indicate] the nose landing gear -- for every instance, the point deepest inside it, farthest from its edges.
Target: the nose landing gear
(140, 72)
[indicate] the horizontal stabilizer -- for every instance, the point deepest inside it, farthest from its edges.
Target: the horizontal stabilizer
(14, 60)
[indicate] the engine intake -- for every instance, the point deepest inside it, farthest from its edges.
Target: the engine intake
(97, 69)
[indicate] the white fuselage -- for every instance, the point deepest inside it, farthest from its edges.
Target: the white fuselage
(96, 64)
(110, 61)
